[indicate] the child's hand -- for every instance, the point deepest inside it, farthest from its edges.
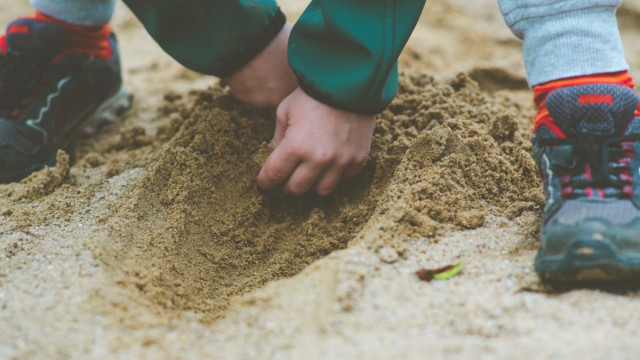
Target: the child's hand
(315, 145)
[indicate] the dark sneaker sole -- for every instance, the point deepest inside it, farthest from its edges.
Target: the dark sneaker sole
(106, 113)
(587, 261)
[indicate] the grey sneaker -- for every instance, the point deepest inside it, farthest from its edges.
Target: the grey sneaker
(47, 96)
(589, 163)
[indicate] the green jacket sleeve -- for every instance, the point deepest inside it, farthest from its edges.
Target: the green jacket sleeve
(214, 37)
(345, 52)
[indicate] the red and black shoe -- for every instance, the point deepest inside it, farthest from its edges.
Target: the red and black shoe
(588, 148)
(53, 87)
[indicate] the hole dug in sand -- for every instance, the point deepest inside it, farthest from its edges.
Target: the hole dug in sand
(195, 231)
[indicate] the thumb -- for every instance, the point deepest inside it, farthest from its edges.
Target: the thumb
(282, 121)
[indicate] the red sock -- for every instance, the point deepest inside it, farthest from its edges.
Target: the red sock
(82, 39)
(541, 91)
(79, 39)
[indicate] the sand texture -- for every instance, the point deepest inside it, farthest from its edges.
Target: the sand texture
(151, 240)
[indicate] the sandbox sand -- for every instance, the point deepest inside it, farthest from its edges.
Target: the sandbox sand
(151, 240)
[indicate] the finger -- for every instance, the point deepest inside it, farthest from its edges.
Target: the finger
(329, 180)
(304, 177)
(278, 167)
(355, 168)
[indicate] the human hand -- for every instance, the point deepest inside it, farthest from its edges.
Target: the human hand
(315, 145)
(267, 79)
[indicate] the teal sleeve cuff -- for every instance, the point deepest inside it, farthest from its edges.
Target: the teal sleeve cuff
(344, 52)
(210, 37)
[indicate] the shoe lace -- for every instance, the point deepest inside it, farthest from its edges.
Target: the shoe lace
(588, 164)
(21, 79)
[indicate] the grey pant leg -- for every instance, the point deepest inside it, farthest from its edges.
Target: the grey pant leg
(565, 38)
(80, 12)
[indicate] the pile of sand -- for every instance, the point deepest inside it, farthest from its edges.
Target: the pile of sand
(195, 230)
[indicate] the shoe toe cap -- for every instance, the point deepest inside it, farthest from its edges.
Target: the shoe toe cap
(16, 152)
(11, 137)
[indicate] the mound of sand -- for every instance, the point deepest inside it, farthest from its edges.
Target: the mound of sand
(195, 231)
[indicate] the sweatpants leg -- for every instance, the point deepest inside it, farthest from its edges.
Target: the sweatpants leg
(79, 12)
(566, 38)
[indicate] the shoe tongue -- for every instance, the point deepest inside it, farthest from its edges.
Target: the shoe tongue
(597, 109)
(35, 39)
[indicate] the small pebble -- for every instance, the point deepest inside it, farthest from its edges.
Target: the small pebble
(388, 255)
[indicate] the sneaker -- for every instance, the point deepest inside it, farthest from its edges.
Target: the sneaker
(48, 96)
(589, 157)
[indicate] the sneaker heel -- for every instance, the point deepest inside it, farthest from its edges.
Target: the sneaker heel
(109, 111)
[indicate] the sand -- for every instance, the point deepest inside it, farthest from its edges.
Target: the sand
(151, 240)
